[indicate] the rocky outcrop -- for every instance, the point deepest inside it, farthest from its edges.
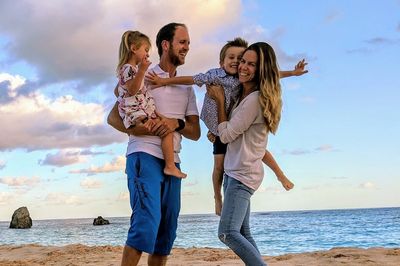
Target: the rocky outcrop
(100, 221)
(21, 219)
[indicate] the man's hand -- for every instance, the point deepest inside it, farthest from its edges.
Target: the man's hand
(164, 126)
(142, 127)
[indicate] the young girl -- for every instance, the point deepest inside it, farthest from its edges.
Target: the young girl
(135, 100)
(256, 113)
(227, 77)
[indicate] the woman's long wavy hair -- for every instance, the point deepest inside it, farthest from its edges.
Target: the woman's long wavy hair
(267, 78)
(128, 38)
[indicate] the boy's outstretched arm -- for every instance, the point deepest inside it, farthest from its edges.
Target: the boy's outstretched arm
(155, 80)
(269, 160)
(297, 71)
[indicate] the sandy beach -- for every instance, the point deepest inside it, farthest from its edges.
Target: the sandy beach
(108, 255)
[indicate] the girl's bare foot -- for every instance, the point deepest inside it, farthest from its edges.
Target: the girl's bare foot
(174, 171)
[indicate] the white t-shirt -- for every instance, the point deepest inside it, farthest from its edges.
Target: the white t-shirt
(173, 101)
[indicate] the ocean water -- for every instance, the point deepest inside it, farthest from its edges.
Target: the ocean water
(275, 233)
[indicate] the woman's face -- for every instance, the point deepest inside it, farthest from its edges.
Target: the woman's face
(248, 66)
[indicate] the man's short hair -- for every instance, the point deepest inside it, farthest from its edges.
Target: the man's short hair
(167, 33)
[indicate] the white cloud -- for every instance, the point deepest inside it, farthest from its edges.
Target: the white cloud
(324, 148)
(117, 164)
(37, 122)
(2, 164)
(14, 83)
(332, 16)
(315, 187)
(63, 199)
(271, 190)
(81, 45)
(123, 196)
(62, 158)
(256, 33)
(292, 85)
(382, 41)
(5, 198)
(68, 157)
(340, 177)
(20, 181)
(300, 151)
(189, 194)
(297, 152)
(191, 184)
(89, 183)
(368, 185)
(307, 99)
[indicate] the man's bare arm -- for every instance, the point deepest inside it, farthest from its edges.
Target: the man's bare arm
(115, 120)
(192, 127)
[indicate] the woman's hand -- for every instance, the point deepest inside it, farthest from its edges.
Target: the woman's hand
(286, 183)
(211, 137)
(216, 92)
(299, 69)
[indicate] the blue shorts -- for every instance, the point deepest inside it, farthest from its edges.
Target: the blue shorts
(155, 201)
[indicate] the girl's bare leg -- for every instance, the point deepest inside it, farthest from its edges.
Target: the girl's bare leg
(167, 146)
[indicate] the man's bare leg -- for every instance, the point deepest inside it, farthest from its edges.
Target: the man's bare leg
(157, 260)
(130, 256)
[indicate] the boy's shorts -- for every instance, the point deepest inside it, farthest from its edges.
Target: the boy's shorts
(219, 147)
(151, 194)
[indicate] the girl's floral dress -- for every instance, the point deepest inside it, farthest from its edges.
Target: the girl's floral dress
(131, 107)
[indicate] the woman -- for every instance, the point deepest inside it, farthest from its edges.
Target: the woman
(256, 113)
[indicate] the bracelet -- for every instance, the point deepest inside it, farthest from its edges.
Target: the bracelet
(181, 125)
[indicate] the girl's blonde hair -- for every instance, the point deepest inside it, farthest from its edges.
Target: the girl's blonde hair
(267, 77)
(128, 38)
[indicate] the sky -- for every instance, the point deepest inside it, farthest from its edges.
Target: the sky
(338, 139)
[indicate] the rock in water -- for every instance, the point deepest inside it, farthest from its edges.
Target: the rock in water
(100, 221)
(21, 219)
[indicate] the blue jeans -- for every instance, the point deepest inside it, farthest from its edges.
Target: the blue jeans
(234, 226)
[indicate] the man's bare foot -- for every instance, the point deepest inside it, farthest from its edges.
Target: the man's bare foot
(174, 171)
(218, 206)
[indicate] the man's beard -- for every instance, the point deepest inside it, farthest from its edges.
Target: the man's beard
(174, 58)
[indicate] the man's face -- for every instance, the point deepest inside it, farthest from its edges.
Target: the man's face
(179, 46)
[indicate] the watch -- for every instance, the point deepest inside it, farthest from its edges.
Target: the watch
(181, 125)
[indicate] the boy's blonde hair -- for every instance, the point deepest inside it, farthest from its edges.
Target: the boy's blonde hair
(267, 77)
(237, 42)
(128, 38)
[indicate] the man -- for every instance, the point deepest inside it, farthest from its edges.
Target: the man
(154, 197)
